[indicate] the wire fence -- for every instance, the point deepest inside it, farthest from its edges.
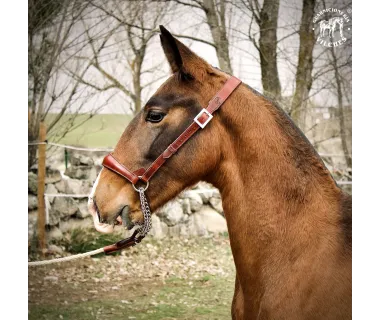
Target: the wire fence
(111, 149)
(70, 147)
(43, 213)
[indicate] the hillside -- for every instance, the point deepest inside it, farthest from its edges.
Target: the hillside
(102, 130)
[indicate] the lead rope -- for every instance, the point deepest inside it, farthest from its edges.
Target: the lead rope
(141, 232)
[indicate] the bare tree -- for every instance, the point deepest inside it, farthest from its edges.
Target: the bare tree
(266, 17)
(52, 38)
(133, 29)
(305, 62)
(338, 68)
(216, 19)
(343, 129)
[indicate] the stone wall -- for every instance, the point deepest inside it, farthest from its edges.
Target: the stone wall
(190, 214)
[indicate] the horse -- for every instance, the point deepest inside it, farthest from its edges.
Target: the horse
(289, 223)
(331, 25)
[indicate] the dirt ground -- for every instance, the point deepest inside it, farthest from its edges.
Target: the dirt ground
(166, 279)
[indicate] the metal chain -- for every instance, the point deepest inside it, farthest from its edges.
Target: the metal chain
(147, 224)
(143, 231)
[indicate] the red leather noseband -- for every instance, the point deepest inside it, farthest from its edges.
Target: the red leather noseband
(111, 163)
(200, 121)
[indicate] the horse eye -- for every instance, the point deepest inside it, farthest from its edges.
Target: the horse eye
(154, 116)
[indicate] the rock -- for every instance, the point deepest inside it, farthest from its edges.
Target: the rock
(32, 224)
(51, 278)
(196, 227)
(55, 234)
(71, 224)
(32, 183)
(174, 231)
(72, 186)
(81, 172)
(51, 189)
(79, 159)
(65, 206)
(186, 206)
(157, 230)
(171, 213)
(82, 209)
(216, 203)
(212, 220)
(32, 202)
(61, 186)
(54, 218)
(207, 194)
(86, 187)
(184, 229)
(53, 249)
(164, 228)
(52, 175)
(196, 201)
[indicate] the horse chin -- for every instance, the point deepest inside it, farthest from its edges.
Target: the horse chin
(122, 219)
(99, 226)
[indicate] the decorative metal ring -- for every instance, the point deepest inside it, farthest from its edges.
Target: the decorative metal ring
(146, 187)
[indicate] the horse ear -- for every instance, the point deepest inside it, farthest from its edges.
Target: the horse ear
(182, 59)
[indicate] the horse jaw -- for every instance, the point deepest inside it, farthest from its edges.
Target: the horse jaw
(101, 227)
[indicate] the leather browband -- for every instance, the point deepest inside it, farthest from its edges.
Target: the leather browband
(200, 121)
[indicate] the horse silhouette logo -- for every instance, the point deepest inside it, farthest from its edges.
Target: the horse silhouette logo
(332, 25)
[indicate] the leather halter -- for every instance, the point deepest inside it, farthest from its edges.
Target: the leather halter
(142, 174)
(200, 121)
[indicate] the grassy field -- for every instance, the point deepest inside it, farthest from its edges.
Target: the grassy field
(102, 130)
(158, 279)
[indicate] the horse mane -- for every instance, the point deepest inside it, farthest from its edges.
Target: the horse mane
(291, 130)
(301, 143)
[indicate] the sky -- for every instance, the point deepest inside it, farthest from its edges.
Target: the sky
(244, 56)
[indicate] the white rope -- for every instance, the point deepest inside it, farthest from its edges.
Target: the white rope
(66, 195)
(199, 191)
(108, 149)
(70, 147)
(47, 205)
(344, 182)
(64, 259)
(332, 155)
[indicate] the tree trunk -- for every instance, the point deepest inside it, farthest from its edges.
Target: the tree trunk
(342, 124)
(305, 63)
(268, 48)
(136, 79)
(219, 33)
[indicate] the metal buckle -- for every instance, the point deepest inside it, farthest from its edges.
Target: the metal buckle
(202, 125)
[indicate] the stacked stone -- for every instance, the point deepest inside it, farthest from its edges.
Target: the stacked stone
(63, 211)
(191, 214)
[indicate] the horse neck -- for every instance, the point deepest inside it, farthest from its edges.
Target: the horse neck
(271, 180)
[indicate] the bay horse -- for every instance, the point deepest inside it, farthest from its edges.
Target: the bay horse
(288, 221)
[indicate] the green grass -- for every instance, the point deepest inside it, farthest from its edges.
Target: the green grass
(102, 130)
(174, 300)
(83, 240)
(98, 289)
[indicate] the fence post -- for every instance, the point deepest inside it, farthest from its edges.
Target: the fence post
(66, 158)
(41, 188)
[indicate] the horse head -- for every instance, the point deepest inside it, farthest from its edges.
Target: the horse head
(164, 117)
